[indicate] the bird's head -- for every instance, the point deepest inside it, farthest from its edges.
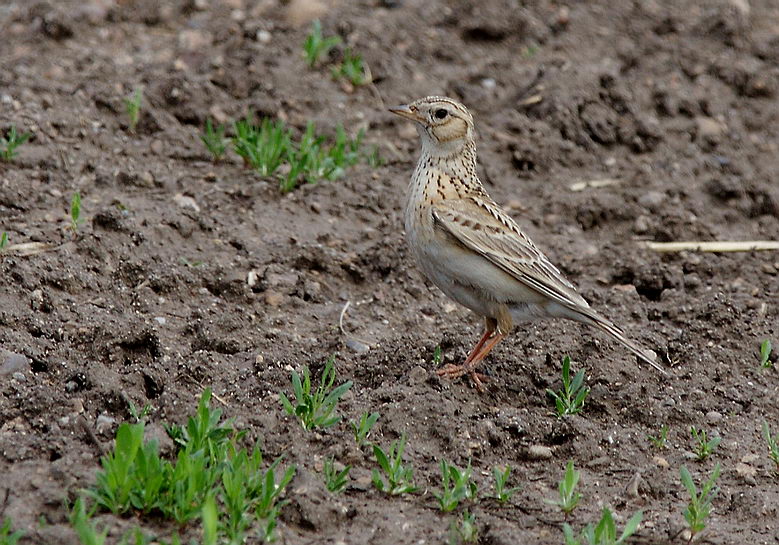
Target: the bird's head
(443, 124)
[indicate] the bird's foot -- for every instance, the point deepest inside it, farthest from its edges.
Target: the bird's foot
(452, 372)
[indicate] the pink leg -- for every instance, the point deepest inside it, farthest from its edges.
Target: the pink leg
(480, 351)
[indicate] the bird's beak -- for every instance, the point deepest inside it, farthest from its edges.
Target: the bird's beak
(406, 111)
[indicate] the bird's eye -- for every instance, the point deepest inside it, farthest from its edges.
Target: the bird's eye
(440, 113)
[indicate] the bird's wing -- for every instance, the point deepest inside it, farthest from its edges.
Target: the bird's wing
(479, 224)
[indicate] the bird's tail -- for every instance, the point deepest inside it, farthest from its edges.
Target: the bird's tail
(592, 318)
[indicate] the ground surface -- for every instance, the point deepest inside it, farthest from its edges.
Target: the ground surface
(675, 100)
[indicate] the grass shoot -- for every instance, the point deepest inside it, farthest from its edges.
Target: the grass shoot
(773, 444)
(335, 480)
(570, 400)
(500, 478)
(316, 47)
(10, 142)
(660, 440)
(363, 427)
(214, 140)
(569, 497)
(399, 478)
(132, 107)
(315, 410)
(703, 445)
(209, 471)
(699, 507)
(464, 530)
(456, 486)
(353, 69)
(6, 536)
(765, 354)
(75, 212)
(603, 533)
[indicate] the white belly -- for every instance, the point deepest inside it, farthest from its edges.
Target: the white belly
(467, 277)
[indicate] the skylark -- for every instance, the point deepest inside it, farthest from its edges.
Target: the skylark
(471, 249)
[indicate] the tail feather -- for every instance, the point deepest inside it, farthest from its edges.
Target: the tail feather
(594, 319)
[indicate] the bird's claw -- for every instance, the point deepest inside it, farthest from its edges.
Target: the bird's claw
(451, 372)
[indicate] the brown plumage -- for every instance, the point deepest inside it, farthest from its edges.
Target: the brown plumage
(471, 249)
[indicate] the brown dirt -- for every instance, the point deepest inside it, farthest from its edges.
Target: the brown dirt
(677, 100)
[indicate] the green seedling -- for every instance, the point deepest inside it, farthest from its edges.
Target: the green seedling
(660, 441)
(605, 532)
(464, 530)
(501, 477)
(75, 212)
(353, 69)
(208, 467)
(363, 427)
(312, 160)
(703, 445)
(85, 528)
(9, 143)
(773, 444)
(315, 410)
(139, 416)
(3, 241)
(530, 51)
(570, 400)
(765, 354)
(214, 140)
(437, 355)
(569, 497)
(373, 158)
(317, 47)
(699, 507)
(132, 107)
(456, 486)
(136, 537)
(210, 518)
(335, 481)
(400, 478)
(6, 536)
(262, 147)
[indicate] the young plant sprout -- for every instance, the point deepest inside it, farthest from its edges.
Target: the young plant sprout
(570, 400)
(10, 142)
(569, 497)
(699, 507)
(315, 410)
(399, 478)
(317, 47)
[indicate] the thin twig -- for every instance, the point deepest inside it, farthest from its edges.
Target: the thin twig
(714, 246)
(343, 329)
(604, 182)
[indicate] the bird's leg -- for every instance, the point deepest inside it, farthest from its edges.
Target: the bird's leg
(452, 371)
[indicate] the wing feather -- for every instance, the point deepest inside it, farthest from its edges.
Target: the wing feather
(480, 225)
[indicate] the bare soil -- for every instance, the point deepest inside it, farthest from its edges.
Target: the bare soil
(151, 301)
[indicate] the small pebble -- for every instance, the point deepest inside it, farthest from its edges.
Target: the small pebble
(357, 346)
(104, 424)
(273, 298)
(712, 417)
(417, 375)
(652, 200)
(13, 363)
(660, 462)
(539, 452)
(160, 320)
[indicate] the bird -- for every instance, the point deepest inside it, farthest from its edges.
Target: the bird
(472, 250)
